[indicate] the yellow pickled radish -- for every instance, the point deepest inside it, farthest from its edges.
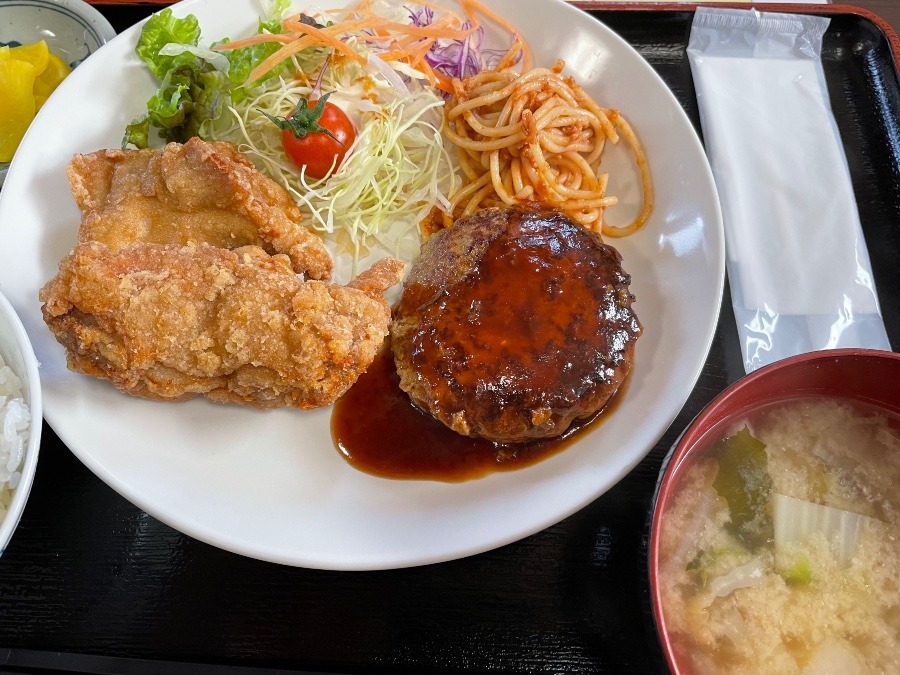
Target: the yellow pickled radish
(47, 81)
(28, 75)
(35, 53)
(55, 72)
(17, 106)
(41, 88)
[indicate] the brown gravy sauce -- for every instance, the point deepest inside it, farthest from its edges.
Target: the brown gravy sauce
(378, 430)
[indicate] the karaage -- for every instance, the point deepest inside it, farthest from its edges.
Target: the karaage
(198, 192)
(170, 322)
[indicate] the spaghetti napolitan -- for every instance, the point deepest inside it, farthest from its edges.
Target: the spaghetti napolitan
(537, 137)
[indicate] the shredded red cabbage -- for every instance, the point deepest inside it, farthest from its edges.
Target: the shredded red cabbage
(456, 58)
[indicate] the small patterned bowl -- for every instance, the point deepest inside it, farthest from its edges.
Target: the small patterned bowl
(18, 356)
(72, 29)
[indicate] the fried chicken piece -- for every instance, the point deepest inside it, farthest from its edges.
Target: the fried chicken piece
(169, 322)
(199, 192)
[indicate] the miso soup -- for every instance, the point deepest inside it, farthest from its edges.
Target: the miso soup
(779, 551)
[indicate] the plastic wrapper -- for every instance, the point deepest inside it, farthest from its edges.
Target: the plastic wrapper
(797, 261)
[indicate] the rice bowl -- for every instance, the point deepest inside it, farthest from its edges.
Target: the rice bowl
(15, 418)
(20, 420)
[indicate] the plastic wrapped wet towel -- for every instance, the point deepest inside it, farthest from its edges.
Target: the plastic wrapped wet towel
(797, 261)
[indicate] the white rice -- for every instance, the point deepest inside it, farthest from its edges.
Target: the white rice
(14, 422)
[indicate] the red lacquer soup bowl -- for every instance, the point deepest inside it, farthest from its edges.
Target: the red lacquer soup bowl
(861, 377)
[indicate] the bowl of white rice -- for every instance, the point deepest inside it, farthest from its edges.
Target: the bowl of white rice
(20, 419)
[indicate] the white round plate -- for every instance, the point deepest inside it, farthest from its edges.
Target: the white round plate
(271, 485)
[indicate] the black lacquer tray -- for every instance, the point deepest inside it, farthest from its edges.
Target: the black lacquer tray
(91, 583)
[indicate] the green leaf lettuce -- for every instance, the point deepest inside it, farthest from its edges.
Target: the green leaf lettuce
(193, 94)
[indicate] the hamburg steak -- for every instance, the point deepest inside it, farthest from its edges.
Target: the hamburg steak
(514, 323)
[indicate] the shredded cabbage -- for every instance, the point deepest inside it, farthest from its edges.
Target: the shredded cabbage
(396, 171)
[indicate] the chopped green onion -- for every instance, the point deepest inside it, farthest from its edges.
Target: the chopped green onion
(798, 574)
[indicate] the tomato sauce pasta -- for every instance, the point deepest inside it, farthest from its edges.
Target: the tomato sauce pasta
(538, 137)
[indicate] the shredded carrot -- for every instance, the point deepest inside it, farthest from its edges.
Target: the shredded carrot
(405, 42)
(253, 40)
(470, 7)
(295, 25)
(297, 46)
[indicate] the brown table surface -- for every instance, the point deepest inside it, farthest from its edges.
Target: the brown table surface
(90, 583)
(889, 10)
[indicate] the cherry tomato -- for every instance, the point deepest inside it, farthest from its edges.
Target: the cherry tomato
(316, 136)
